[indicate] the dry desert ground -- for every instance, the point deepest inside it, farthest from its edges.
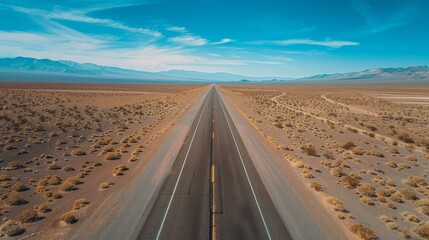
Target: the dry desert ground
(361, 151)
(65, 147)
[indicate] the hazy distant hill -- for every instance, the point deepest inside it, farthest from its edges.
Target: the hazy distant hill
(377, 75)
(23, 68)
(70, 68)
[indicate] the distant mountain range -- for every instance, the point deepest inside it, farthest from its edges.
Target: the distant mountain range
(377, 75)
(22, 65)
(32, 69)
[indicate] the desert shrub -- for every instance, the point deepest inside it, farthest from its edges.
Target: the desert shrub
(105, 141)
(385, 218)
(112, 156)
(68, 218)
(410, 217)
(43, 208)
(363, 232)
(372, 128)
(383, 192)
(12, 228)
(132, 159)
(19, 187)
(53, 166)
(375, 153)
(328, 155)
(366, 190)
(5, 184)
(404, 166)
(278, 125)
(107, 149)
(118, 170)
(104, 185)
(348, 145)
(424, 210)
(408, 193)
(310, 150)
(68, 168)
(337, 171)
(4, 177)
(350, 182)
(406, 138)
(49, 180)
(366, 200)
(415, 181)
(358, 151)
(396, 198)
(423, 202)
(298, 164)
(422, 230)
(353, 130)
(96, 164)
(67, 186)
(316, 186)
(15, 200)
(391, 205)
(74, 179)
(391, 164)
(60, 142)
(307, 174)
(28, 215)
(78, 152)
(13, 165)
(411, 158)
(338, 205)
(80, 203)
(392, 225)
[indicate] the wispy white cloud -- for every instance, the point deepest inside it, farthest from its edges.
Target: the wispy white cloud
(196, 41)
(327, 43)
(177, 29)
(81, 16)
(398, 18)
(223, 41)
(189, 40)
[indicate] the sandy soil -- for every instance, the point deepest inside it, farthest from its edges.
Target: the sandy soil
(364, 158)
(66, 148)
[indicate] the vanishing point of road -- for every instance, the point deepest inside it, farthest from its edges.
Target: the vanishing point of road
(213, 190)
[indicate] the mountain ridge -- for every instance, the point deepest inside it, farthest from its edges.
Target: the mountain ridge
(89, 70)
(25, 64)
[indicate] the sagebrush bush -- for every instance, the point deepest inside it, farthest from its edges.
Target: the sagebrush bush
(28, 215)
(12, 228)
(316, 186)
(366, 190)
(350, 182)
(310, 150)
(80, 203)
(363, 232)
(15, 200)
(112, 156)
(68, 218)
(19, 187)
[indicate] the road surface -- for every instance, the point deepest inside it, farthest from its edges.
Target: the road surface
(213, 190)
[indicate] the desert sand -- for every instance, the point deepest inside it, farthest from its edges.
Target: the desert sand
(362, 155)
(65, 148)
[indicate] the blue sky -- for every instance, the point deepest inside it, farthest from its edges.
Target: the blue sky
(255, 38)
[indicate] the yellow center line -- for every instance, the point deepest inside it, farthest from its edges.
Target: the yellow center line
(213, 204)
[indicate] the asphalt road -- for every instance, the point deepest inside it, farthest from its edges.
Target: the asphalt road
(213, 190)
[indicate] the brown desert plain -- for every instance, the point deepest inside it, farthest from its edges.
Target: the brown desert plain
(360, 152)
(65, 148)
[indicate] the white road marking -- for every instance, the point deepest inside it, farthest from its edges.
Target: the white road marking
(181, 170)
(245, 171)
